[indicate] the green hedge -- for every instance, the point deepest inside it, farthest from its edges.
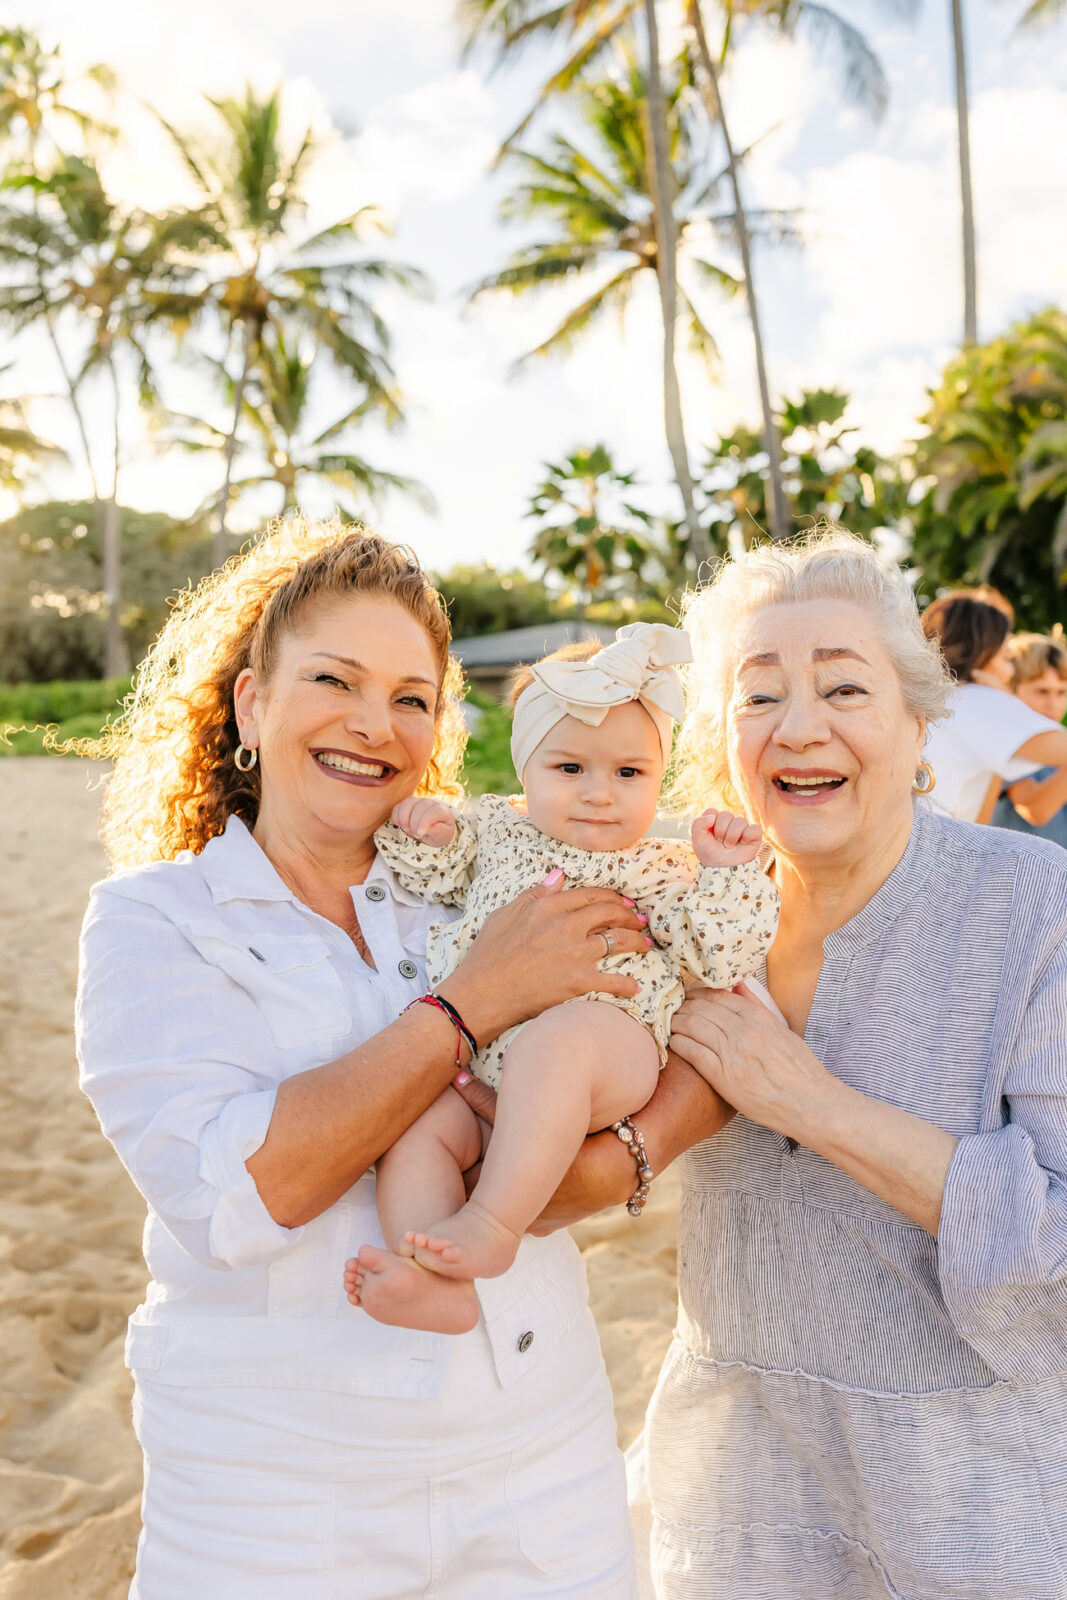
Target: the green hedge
(487, 768)
(76, 710)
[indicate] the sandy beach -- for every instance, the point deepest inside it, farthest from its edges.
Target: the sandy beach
(71, 1269)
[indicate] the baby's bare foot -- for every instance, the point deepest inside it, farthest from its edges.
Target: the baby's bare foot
(395, 1290)
(472, 1244)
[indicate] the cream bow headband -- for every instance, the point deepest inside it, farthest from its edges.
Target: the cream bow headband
(638, 666)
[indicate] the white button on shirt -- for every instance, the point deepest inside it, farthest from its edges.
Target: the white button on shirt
(204, 983)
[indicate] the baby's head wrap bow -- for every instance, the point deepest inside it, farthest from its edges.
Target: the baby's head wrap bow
(638, 666)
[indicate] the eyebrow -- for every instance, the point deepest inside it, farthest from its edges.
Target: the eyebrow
(358, 666)
(830, 652)
(624, 761)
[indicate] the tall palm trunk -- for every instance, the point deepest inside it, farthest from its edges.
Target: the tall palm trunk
(219, 545)
(83, 434)
(661, 183)
(778, 507)
(970, 272)
(117, 657)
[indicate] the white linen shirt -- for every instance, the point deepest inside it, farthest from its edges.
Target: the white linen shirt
(204, 983)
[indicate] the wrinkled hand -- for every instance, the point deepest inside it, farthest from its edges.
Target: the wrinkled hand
(428, 821)
(750, 1057)
(722, 840)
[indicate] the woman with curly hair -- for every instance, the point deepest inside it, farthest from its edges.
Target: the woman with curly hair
(248, 1037)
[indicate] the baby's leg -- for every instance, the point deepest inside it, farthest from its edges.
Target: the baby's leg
(574, 1069)
(419, 1177)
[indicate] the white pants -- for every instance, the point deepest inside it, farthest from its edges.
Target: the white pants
(484, 1494)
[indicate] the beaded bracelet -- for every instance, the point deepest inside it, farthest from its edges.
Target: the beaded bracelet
(463, 1034)
(634, 1140)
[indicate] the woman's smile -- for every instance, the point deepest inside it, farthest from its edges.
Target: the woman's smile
(352, 768)
(808, 786)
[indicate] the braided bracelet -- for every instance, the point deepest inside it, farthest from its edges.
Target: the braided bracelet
(634, 1140)
(463, 1033)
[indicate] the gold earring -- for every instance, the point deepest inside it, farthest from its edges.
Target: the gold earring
(925, 779)
(253, 754)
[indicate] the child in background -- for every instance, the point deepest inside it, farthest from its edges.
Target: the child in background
(590, 741)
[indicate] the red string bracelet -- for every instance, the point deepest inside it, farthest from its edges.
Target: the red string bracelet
(463, 1033)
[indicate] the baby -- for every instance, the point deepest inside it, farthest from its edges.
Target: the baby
(590, 742)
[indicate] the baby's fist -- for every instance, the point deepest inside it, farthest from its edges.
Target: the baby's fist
(428, 821)
(722, 840)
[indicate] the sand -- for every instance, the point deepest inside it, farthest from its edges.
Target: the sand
(71, 1269)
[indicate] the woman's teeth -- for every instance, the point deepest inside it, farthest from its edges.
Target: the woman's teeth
(791, 784)
(362, 769)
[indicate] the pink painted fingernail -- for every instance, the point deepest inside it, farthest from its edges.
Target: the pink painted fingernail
(462, 1079)
(649, 941)
(625, 898)
(640, 986)
(642, 919)
(554, 876)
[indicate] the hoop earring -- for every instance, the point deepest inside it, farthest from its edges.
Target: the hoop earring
(925, 779)
(253, 754)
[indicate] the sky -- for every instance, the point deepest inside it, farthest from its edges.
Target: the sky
(869, 302)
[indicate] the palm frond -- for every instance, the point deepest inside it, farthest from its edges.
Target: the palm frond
(615, 293)
(701, 339)
(864, 76)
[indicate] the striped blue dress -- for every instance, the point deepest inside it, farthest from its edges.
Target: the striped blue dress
(850, 1409)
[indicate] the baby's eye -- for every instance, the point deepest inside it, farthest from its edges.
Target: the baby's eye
(569, 767)
(629, 772)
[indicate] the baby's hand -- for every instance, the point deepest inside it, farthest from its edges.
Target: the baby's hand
(428, 821)
(722, 840)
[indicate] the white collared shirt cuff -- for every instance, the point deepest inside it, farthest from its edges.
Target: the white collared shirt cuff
(243, 1233)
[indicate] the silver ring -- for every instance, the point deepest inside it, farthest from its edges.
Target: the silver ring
(609, 942)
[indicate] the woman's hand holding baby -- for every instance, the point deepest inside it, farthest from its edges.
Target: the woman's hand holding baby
(543, 948)
(722, 840)
(428, 821)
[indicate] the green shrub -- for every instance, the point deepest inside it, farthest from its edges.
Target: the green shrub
(487, 768)
(73, 710)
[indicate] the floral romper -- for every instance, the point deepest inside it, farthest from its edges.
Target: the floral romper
(714, 924)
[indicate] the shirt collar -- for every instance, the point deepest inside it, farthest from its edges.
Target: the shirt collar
(236, 868)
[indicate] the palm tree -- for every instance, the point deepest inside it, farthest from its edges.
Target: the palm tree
(115, 273)
(589, 530)
(595, 194)
(275, 407)
(256, 189)
(35, 98)
(592, 25)
(37, 108)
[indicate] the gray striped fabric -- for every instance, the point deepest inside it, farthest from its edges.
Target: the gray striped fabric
(851, 1409)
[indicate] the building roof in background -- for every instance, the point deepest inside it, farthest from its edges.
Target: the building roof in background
(519, 646)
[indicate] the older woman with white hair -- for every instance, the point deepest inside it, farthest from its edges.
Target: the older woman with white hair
(866, 1395)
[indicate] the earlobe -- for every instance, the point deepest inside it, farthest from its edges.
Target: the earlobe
(244, 705)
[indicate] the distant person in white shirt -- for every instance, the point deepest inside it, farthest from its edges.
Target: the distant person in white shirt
(991, 737)
(1038, 805)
